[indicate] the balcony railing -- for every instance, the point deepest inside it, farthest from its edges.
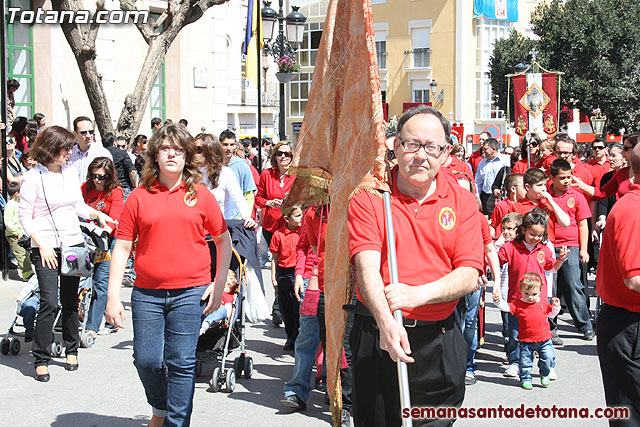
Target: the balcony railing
(421, 57)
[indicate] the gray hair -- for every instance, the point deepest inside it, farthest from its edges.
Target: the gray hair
(424, 109)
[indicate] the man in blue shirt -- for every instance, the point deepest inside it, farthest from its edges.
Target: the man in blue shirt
(240, 168)
(486, 173)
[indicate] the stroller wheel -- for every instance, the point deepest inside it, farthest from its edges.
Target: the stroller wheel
(4, 346)
(198, 368)
(231, 380)
(215, 380)
(237, 366)
(14, 346)
(248, 367)
(56, 349)
(88, 339)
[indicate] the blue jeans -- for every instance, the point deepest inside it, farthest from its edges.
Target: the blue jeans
(513, 346)
(166, 323)
(470, 327)
(28, 311)
(99, 300)
(307, 343)
(571, 288)
(545, 361)
(216, 316)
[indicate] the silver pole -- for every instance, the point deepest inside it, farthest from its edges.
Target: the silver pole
(403, 376)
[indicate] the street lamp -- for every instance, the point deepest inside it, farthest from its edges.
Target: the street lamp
(433, 87)
(598, 120)
(282, 46)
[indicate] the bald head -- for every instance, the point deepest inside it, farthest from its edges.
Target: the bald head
(635, 160)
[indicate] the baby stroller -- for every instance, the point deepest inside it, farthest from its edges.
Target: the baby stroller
(226, 335)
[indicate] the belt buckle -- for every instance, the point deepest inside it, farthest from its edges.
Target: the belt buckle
(409, 325)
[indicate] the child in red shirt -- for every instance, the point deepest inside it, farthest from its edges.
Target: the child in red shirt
(227, 301)
(283, 248)
(532, 312)
(514, 186)
(527, 254)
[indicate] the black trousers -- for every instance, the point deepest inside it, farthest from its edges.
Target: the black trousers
(345, 374)
(275, 309)
(619, 355)
(436, 378)
(48, 281)
(289, 304)
(488, 203)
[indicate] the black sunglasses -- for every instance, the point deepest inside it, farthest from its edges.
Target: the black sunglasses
(84, 132)
(121, 146)
(284, 153)
(598, 147)
(627, 148)
(68, 147)
(99, 177)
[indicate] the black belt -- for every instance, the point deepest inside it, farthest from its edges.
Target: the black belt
(360, 308)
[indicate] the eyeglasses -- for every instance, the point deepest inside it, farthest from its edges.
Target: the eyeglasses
(564, 153)
(598, 147)
(11, 141)
(99, 177)
(164, 149)
(121, 146)
(431, 149)
(68, 147)
(284, 153)
(84, 132)
(199, 149)
(627, 148)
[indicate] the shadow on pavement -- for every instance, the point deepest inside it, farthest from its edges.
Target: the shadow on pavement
(95, 420)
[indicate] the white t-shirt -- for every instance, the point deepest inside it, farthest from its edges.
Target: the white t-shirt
(228, 193)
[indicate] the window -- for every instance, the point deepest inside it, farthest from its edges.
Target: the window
(419, 91)
(487, 32)
(309, 49)
(311, 8)
(381, 30)
(420, 47)
(158, 107)
(299, 94)
(19, 50)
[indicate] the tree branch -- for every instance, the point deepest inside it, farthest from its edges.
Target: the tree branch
(145, 29)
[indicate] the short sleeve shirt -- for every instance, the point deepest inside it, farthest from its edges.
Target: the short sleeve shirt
(432, 239)
(283, 243)
(171, 226)
(521, 260)
(576, 206)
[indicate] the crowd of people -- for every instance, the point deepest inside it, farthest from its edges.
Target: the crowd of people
(535, 219)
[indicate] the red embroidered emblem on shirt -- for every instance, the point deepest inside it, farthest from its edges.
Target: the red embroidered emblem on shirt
(541, 257)
(447, 218)
(571, 202)
(190, 200)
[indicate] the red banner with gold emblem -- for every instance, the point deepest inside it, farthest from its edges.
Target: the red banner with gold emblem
(521, 117)
(551, 110)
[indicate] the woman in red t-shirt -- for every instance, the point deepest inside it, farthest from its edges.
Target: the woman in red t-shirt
(273, 187)
(102, 192)
(170, 214)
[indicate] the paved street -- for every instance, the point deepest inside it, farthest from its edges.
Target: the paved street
(105, 391)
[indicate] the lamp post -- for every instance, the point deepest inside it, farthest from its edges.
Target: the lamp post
(282, 46)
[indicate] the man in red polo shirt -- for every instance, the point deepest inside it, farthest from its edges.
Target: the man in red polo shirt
(566, 148)
(599, 164)
(618, 284)
(439, 254)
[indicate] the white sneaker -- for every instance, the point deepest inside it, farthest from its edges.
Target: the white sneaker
(107, 331)
(512, 371)
(552, 374)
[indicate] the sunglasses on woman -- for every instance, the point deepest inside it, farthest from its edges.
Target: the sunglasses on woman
(199, 149)
(284, 153)
(99, 177)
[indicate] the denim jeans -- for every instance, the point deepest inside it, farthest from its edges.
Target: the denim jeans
(99, 300)
(166, 323)
(307, 343)
(545, 360)
(571, 288)
(470, 327)
(513, 346)
(28, 311)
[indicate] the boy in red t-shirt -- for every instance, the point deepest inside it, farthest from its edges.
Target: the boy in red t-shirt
(514, 186)
(227, 301)
(283, 266)
(535, 183)
(576, 238)
(533, 328)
